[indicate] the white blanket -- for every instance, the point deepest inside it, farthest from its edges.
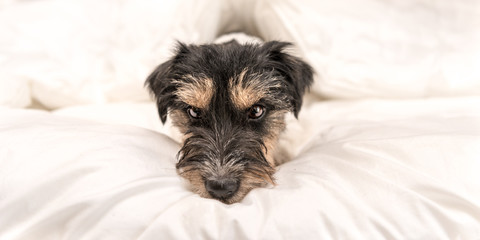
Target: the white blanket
(70, 52)
(100, 168)
(361, 170)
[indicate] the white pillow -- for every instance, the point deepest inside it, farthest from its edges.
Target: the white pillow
(14, 91)
(370, 48)
(79, 52)
(370, 170)
(59, 172)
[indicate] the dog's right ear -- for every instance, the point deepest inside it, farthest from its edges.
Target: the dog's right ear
(159, 84)
(161, 81)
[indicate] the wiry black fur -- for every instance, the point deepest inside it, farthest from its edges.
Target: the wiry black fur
(222, 61)
(224, 135)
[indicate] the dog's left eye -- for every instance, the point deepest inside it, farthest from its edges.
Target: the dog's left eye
(193, 112)
(256, 112)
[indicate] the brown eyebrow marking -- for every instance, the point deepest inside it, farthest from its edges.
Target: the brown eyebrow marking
(195, 91)
(246, 90)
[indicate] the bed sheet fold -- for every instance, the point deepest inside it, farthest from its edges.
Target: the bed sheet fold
(372, 169)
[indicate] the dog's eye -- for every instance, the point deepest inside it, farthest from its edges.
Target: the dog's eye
(256, 112)
(193, 112)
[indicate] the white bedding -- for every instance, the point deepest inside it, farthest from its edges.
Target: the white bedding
(100, 165)
(372, 169)
(71, 52)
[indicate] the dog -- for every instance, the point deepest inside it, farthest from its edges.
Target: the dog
(229, 101)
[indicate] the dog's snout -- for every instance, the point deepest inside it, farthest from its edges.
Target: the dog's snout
(222, 188)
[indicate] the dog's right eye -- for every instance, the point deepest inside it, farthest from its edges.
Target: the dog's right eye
(256, 112)
(193, 112)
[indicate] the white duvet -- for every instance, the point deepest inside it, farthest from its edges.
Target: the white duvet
(370, 169)
(98, 164)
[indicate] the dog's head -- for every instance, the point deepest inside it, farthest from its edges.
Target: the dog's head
(229, 100)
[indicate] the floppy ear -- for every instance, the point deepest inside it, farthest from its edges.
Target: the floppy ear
(161, 81)
(296, 72)
(160, 85)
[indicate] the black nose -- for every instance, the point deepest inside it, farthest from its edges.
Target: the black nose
(222, 188)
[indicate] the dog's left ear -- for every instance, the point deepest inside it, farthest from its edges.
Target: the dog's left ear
(296, 72)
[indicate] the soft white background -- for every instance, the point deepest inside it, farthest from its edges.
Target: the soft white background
(73, 52)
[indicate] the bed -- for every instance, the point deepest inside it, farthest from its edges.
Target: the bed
(387, 145)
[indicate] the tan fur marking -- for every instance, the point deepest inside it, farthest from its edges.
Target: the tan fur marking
(245, 94)
(179, 120)
(197, 92)
(270, 143)
(251, 181)
(195, 179)
(276, 124)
